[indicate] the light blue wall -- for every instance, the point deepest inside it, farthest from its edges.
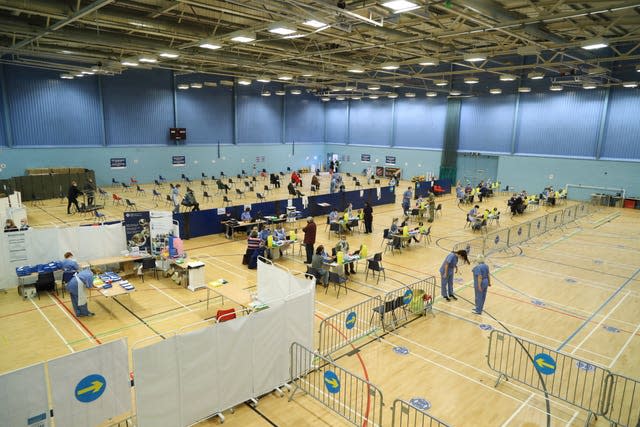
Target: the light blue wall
(147, 162)
(532, 173)
(486, 124)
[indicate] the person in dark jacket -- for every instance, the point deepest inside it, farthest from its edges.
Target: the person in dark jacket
(368, 217)
(72, 196)
(309, 238)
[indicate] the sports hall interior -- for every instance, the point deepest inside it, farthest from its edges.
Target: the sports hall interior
(503, 92)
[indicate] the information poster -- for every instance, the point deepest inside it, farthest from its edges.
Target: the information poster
(379, 171)
(161, 223)
(389, 172)
(178, 160)
(365, 158)
(137, 230)
(390, 160)
(118, 163)
(17, 246)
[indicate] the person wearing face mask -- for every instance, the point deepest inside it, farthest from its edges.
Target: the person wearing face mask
(343, 246)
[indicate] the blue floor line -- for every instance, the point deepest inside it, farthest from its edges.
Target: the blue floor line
(607, 301)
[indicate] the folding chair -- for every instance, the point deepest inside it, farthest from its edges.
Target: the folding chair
(147, 264)
(225, 315)
(375, 264)
(204, 185)
(438, 209)
(157, 183)
(231, 183)
(202, 174)
(226, 201)
(161, 178)
(240, 193)
(168, 200)
(125, 187)
(46, 282)
(114, 182)
(206, 196)
(140, 190)
(386, 237)
(266, 189)
(130, 205)
(156, 196)
(260, 197)
(133, 180)
(117, 200)
(103, 194)
(426, 236)
(100, 217)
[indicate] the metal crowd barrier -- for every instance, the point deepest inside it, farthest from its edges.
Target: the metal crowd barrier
(348, 395)
(406, 415)
(347, 326)
(500, 240)
(622, 408)
(412, 299)
(560, 375)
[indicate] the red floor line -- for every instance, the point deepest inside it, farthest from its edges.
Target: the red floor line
(77, 320)
(364, 369)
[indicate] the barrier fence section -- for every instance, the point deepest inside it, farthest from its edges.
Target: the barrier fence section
(623, 404)
(500, 240)
(415, 298)
(347, 326)
(560, 375)
(407, 415)
(348, 395)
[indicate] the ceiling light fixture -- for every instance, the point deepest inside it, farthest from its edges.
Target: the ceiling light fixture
(555, 88)
(263, 79)
(324, 99)
(589, 85)
(228, 83)
(471, 80)
(390, 66)
(524, 89)
(210, 44)
(528, 50)
(243, 36)
(373, 87)
(349, 88)
(170, 54)
(340, 98)
(356, 69)
(440, 82)
(88, 73)
(79, 74)
(281, 93)
(630, 84)
(455, 93)
(282, 28)
(396, 85)
(410, 95)
(495, 91)
(373, 96)
(307, 74)
(210, 84)
(66, 76)
(183, 86)
(428, 61)
(399, 6)
(315, 24)
(475, 57)
(265, 93)
(244, 82)
(129, 63)
(432, 94)
(285, 77)
(392, 96)
(356, 97)
(296, 91)
(595, 43)
(195, 85)
(150, 59)
(638, 68)
(507, 77)
(536, 75)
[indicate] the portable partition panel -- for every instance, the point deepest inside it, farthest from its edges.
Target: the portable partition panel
(347, 326)
(407, 415)
(623, 404)
(23, 397)
(554, 373)
(348, 395)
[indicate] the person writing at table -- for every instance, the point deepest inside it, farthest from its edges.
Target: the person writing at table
(317, 263)
(76, 288)
(343, 246)
(246, 215)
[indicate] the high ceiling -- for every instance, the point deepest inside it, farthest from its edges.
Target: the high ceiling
(516, 36)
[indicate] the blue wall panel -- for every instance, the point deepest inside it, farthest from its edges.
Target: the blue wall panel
(486, 123)
(371, 122)
(48, 111)
(621, 138)
(3, 129)
(138, 107)
(304, 119)
(207, 114)
(420, 122)
(336, 121)
(559, 124)
(259, 117)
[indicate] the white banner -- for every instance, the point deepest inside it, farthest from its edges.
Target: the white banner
(23, 398)
(91, 386)
(199, 381)
(157, 385)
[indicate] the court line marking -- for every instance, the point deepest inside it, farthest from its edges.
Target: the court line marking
(171, 298)
(517, 411)
(626, 282)
(597, 327)
(575, 414)
(52, 326)
(76, 322)
(624, 346)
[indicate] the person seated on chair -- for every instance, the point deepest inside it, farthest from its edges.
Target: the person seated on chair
(393, 181)
(189, 200)
(315, 181)
(264, 233)
(9, 226)
(246, 215)
(514, 202)
(274, 179)
(23, 224)
(253, 241)
(317, 263)
(474, 217)
(69, 264)
(334, 216)
(296, 179)
(394, 230)
(291, 189)
(280, 233)
(343, 246)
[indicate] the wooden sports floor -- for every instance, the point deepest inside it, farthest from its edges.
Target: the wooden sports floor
(576, 287)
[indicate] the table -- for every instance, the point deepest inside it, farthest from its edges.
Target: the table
(405, 239)
(114, 291)
(123, 262)
(232, 226)
(231, 291)
(283, 245)
(192, 271)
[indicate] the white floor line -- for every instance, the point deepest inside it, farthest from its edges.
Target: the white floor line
(73, 320)
(171, 298)
(575, 414)
(599, 324)
(52, 326)
(624, 346)
(517, 411)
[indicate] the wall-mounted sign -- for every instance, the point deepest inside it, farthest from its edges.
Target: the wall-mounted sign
(365, 157)
(390, 160)
(118, 162)
(178, 160)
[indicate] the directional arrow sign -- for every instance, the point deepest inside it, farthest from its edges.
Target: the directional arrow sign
(544, 364)
(332, 382)
(90, 388)
(350, 321)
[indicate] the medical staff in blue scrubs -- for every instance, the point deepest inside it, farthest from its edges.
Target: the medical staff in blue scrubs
(481, 281)
(447, 270)
(75, 287)
(69, 264)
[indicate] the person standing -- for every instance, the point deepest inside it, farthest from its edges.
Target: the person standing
(368, 217)
(90, 191)
(431, 202)
(72, 196)
(69, 264)
(481, 282)
(175, 198)
(447, 269)
(75, 287)
(369, 172)
(406, 200)
(309, 238)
